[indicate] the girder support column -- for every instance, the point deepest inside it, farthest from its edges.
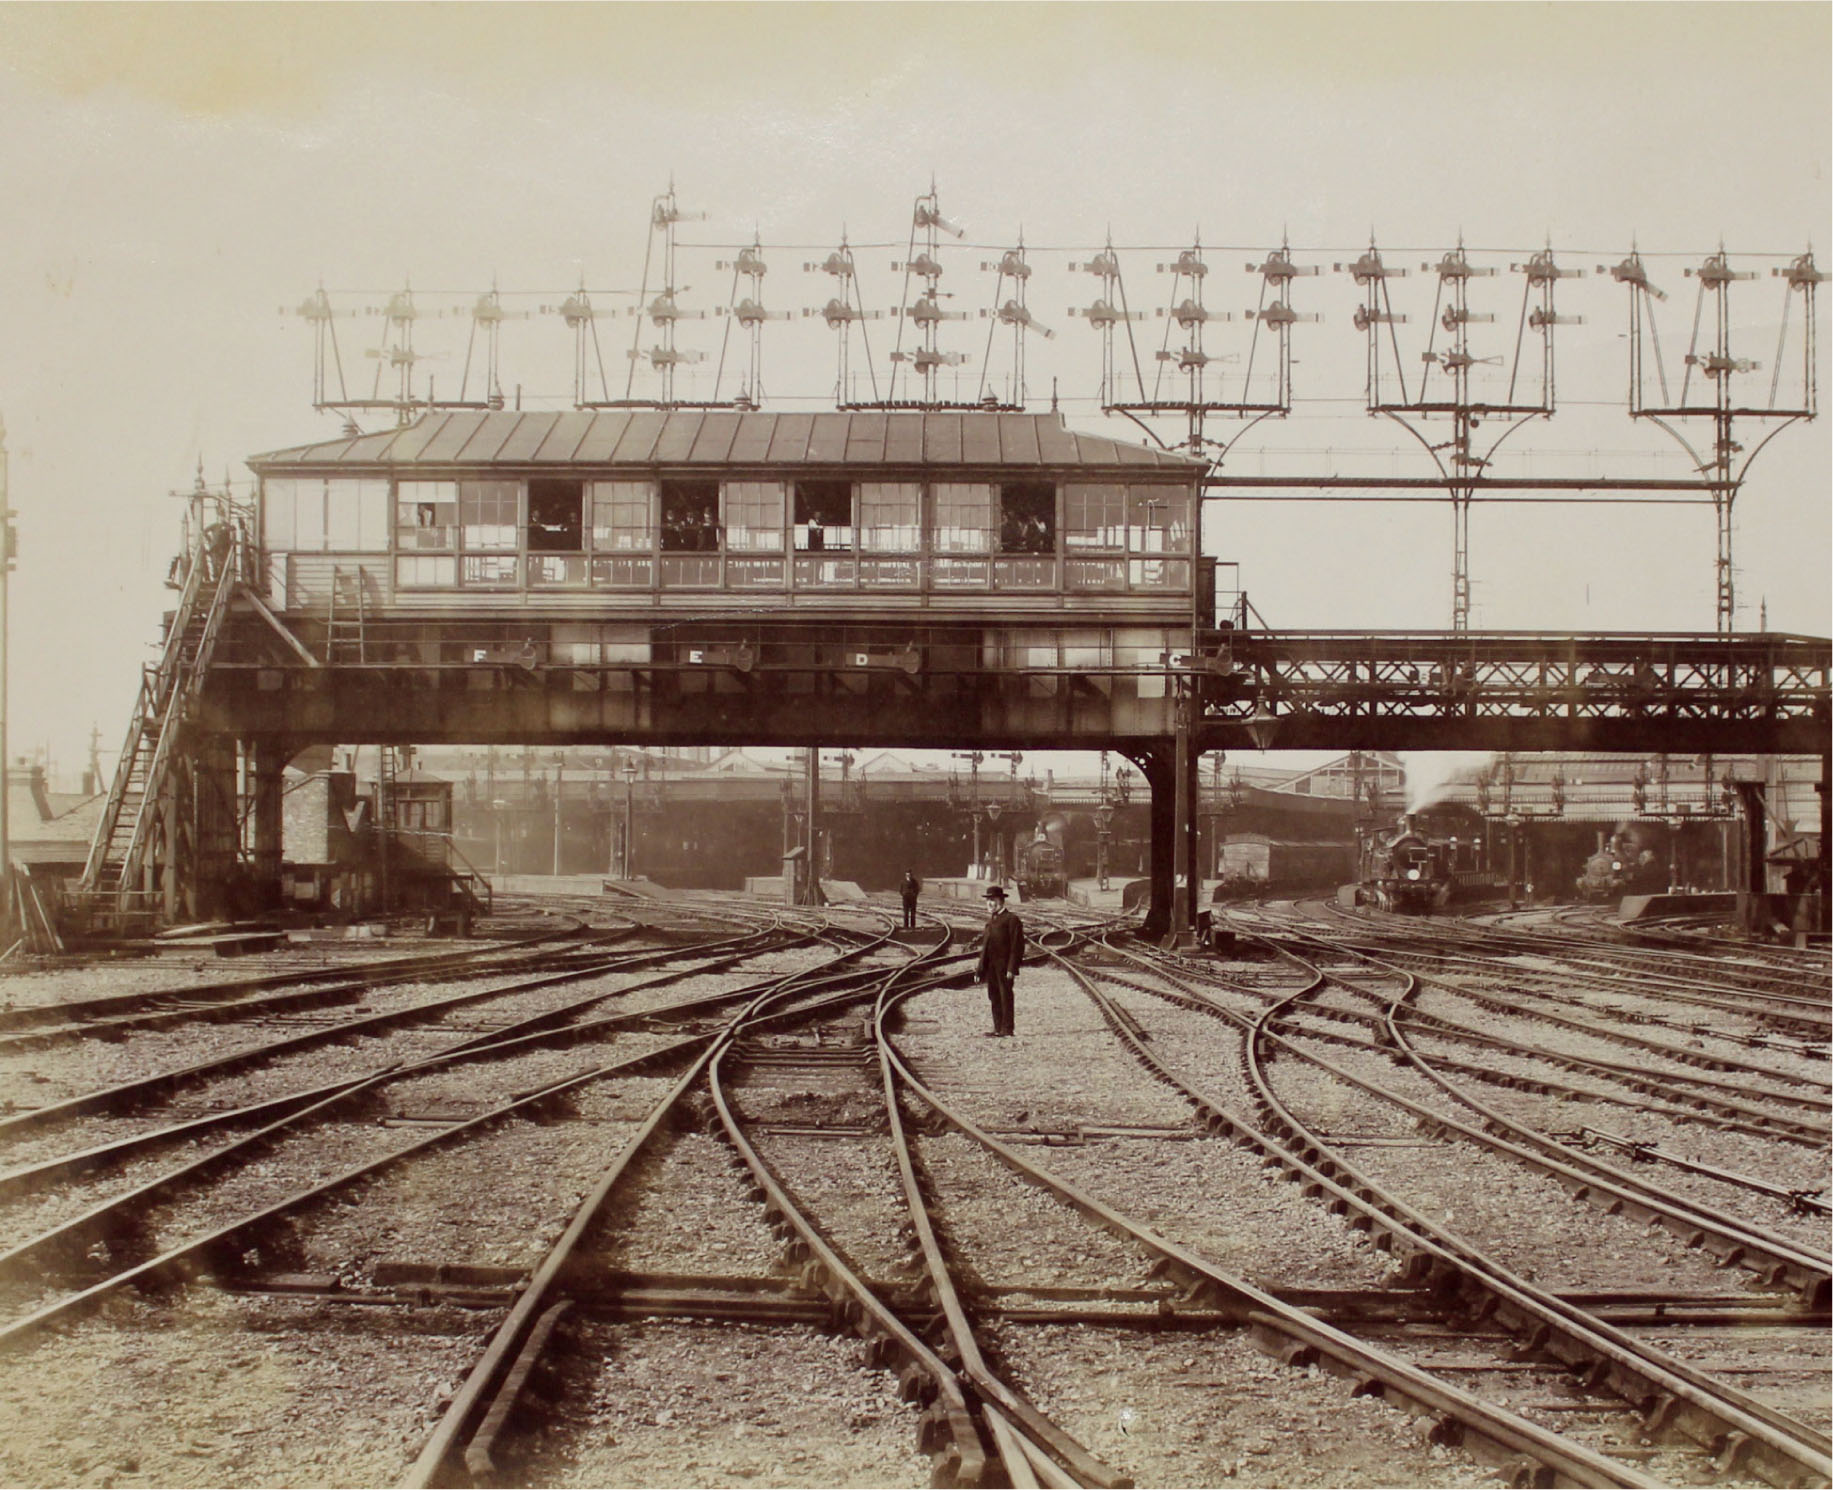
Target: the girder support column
(265, 764)
(1753, 894)
(1158, 764)
(1824, 789)
(207, 879)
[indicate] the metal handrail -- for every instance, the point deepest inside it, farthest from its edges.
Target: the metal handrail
(151, 703)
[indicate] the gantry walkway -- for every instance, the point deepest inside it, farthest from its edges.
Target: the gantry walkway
(484, 682)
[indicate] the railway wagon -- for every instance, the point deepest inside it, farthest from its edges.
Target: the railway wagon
(1255, 864)
(664, 544)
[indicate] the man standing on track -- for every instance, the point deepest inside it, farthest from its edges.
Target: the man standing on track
(909, 890)
(1000, 955)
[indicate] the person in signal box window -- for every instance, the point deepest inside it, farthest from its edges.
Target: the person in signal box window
(1000, 955)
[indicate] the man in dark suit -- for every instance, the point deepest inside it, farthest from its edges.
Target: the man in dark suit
(1000, 955)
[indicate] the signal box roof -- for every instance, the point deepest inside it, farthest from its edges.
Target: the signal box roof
(714, 439)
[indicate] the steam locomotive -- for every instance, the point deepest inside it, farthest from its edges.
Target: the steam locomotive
(1412, 869)
(1630, 862)
(1038, 867)
(1406, 871)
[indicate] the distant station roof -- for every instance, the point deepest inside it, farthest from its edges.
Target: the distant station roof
(718, 438)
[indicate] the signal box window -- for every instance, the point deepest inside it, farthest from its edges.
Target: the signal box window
(426, 515)
(824, 515)
(1158, 520)
(690, 517)
(1094, 517)
(556, 516)
(754, 517)
(319, 516)
(620, 517)
(964, 518)
(1027, 518)
(487, 513)
(890, 517)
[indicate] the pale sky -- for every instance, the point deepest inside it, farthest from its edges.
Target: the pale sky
(175, 175)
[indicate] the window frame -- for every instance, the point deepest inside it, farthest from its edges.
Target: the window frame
(765, 500)
(426, 498)
(544, 489)
(704, 493)
(815, 497)
(613, 497)
(944, 503)
(502, 496)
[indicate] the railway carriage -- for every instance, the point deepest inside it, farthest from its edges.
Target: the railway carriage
(670, 541)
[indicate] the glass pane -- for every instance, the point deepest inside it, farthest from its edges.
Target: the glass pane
(621, 517)
(964, 519)
(1094, 574)
(1024, 574)
(754, 574)
(279, 567)
(623, 574)
(1094, 516)
(754, 516)
(690, 571)
(372, 517)
(487, 514)
(426, 514)
(297, 521)
(891, 574)
(1158, 520)
(815, 574)
(491, 569)
(890, 516)
(426, 569)
(947, 573)
(346, 523)
(279, 507)
(557, 569)
(1160, 574)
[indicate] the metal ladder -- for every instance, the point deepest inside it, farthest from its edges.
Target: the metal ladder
(123, 837)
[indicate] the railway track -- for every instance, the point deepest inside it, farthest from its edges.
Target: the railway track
(1543, 1325)
(1791, 989)
(784, 1163)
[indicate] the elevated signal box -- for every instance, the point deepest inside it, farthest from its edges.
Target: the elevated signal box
(909, 576)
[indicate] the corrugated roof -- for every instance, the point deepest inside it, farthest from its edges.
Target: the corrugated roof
(689, 437)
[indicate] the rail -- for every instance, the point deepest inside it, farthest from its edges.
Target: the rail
(469, 879)
(1673, 1394)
